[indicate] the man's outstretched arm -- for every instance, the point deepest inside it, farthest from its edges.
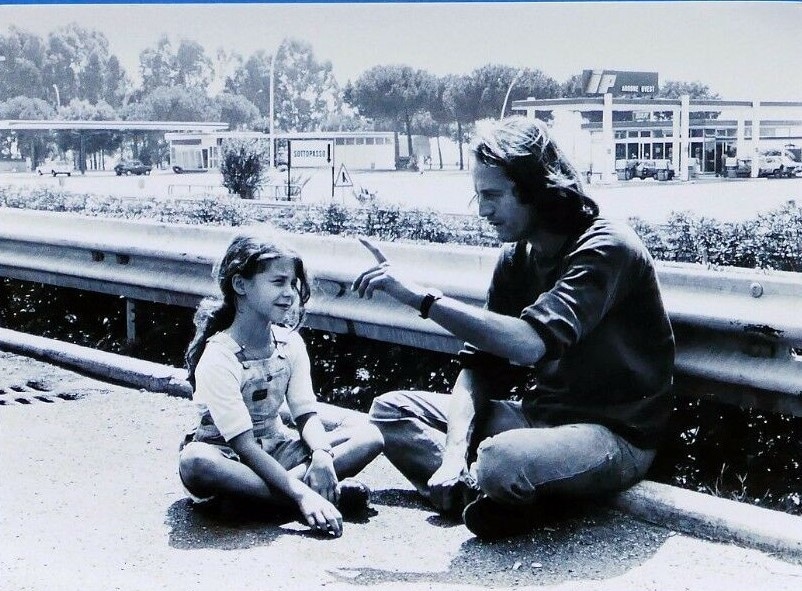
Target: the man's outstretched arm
(504, 336)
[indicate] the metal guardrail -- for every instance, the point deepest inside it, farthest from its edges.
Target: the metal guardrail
(739, 332)
(192, 189)
(283, 192)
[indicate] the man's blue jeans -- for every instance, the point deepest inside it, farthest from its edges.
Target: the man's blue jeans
(517, 458)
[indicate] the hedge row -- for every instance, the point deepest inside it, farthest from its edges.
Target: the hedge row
(772, 240)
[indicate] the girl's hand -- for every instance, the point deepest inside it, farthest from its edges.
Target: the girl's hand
(321, 477)
(320, 514)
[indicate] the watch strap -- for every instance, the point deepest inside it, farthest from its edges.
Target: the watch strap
(428, 300)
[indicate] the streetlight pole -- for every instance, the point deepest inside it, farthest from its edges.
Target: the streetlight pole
(271, 97)
(518, 74)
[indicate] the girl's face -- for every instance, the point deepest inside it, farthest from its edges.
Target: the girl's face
(270, 293)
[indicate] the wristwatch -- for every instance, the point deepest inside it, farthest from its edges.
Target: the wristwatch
(426, 303)
(328, 450)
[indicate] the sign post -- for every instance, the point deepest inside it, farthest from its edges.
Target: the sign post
(343, 179)
(289, 168)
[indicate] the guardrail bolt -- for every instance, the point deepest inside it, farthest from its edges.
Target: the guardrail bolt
(97, 256)
(756, 289)
(123, 259)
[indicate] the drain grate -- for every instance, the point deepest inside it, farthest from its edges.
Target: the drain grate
(32, 392)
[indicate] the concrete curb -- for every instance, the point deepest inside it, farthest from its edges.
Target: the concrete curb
(109, 366)
(713, 518)
(690, 512)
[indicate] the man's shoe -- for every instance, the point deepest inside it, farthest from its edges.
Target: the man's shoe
(354, 496)
(489, 520)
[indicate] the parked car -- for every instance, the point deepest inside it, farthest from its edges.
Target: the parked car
(625, 169)
(775, 162)
(660, 169)
(779, 162)
(55, 167)
(131, 167)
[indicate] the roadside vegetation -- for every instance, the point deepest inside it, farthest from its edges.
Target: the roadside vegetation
(772, 240)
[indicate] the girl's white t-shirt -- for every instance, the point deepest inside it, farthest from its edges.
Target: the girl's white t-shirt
(218, 379)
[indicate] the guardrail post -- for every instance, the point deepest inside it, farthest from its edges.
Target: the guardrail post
(130, 320)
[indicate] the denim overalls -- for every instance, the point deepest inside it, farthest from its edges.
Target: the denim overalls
(263, 389)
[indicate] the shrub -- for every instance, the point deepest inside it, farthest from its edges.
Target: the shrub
(243, 166)
(773, 240)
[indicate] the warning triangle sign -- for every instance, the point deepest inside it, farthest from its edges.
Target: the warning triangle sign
(343, 178)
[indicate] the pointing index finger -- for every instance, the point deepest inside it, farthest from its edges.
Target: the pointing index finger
(374, 250)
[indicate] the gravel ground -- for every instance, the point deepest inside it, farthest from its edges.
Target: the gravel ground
(90, 500)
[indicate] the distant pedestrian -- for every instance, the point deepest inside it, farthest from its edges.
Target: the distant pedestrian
(245, 361)
(574, 304)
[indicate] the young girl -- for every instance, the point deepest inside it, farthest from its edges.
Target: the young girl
(244, 362)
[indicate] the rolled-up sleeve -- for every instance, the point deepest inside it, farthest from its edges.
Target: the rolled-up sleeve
(589, 286)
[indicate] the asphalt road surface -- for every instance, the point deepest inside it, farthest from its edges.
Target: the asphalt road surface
(90, 501)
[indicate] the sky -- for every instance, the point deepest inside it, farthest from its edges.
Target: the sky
(742, 50)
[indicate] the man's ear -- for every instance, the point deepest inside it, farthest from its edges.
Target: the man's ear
(238, 283)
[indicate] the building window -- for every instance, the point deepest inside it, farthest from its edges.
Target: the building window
(349, 141)
(360, 141)
(657, 151)
(339, 141)
(696, 132)
(646, 134)
(632, 134)
(369, 141)
(620, 135)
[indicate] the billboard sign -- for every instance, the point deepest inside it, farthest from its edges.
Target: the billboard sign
(312, 153)
(617, 82)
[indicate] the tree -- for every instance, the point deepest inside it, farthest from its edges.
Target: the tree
(31, 144)
(243, 166)
(305, 93)
(696, 90)
(93, 142)
(236, 110)
(252, 80)
(461, 98)
(394, 92)
(345, 121)
(186, 65)
(174, 103)
(22, 68)
(116, 84)
(76, 64)
(306, 90)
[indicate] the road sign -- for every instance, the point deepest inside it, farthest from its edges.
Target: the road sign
(343, 178)
(312, 153)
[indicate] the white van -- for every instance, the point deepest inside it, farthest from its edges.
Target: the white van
(780, 162)
(55, 167)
